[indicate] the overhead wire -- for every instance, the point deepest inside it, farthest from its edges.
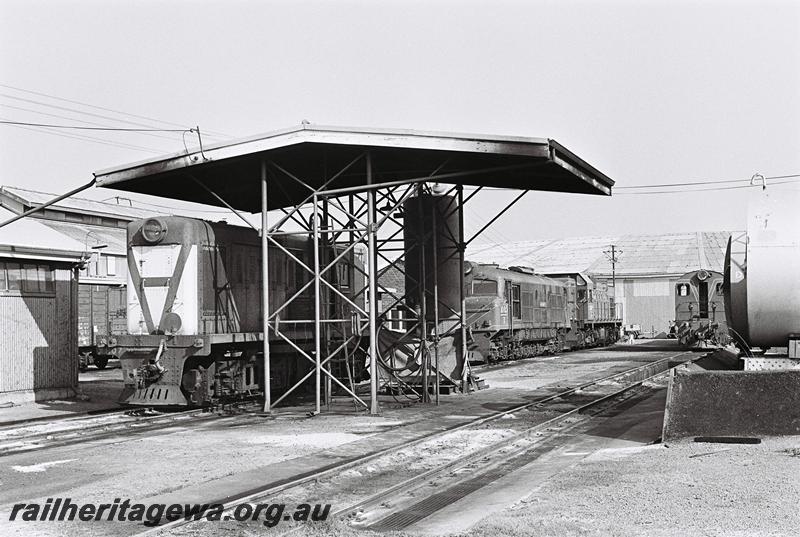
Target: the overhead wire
(701, 183)
(498, 238)
(67, 109)
(92, 139)
(62, 99)
(790, 178)
(81, 127)
(689, 191)
(85, 121)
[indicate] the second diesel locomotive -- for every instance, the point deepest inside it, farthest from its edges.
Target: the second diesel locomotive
(516, 313)
(195, 313)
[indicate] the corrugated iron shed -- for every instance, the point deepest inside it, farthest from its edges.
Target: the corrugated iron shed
(642, 255)
(38, 316)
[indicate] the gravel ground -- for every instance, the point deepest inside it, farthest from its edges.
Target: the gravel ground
(139, 467)
(97, 390)
(676, 489)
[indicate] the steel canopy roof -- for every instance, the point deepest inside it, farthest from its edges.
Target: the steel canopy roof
(314, 154)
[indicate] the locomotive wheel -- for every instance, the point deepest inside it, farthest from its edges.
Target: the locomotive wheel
(100, 362)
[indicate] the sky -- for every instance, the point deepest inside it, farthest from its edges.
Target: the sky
(648, 92)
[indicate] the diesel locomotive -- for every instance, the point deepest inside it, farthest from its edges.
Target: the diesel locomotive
(700, 310)
(515, 313)
(194, 312)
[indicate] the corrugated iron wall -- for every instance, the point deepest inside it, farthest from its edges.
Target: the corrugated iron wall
(38, 337)
(650, 304)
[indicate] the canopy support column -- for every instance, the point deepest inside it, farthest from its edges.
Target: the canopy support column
(461, 349)
(265, 286)
(317, 312)
(372, 260)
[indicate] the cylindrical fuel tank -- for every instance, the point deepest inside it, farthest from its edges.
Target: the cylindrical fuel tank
(430, 218)
(772, 270)
(735, 285)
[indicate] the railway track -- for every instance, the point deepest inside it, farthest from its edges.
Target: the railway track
(17, 438)
(416, 498)
(549, 417)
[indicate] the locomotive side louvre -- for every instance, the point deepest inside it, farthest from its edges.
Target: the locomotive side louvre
(195, 313)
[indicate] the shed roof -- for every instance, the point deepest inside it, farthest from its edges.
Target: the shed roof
(641, 255)
(75, 204)
(315, 153)
(114, 239)
(32, 239)
(34, 198)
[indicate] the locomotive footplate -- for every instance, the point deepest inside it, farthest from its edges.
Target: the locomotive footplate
(152, 366)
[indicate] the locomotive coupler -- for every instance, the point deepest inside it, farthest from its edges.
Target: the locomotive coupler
(153, 370)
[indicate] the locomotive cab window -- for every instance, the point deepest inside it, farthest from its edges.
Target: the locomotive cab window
(484, 287)
(682, 289)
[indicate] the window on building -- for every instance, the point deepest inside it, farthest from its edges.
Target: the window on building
(111, 265)
(14, 276)
(46, 280)
(397, 319)
(29, 278)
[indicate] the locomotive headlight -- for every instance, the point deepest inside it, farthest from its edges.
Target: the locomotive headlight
(154, 230)
(171, 323)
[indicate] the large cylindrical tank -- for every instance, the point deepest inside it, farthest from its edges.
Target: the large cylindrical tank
(735, 285)
(427, 216)
(764, 288)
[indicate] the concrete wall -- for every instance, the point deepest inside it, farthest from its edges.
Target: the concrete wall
(732, 403)
(38, 341)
